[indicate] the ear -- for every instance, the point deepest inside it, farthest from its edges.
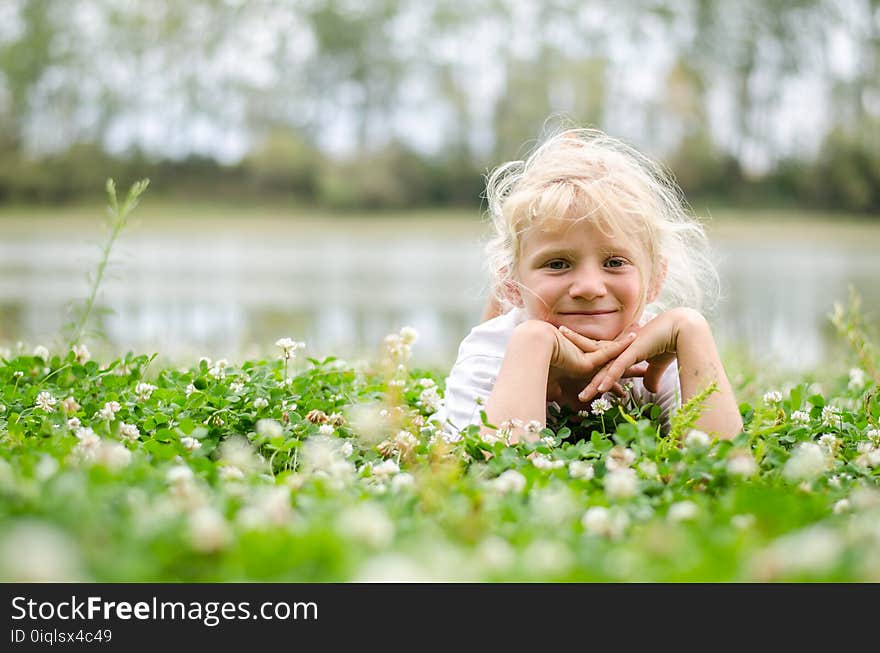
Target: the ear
(511, 293)
(657, 281)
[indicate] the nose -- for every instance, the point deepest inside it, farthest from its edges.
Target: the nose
(587, 283)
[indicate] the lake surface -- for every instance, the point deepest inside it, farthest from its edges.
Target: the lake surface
(230, 288)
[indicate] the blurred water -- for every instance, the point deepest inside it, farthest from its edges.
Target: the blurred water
(219, 291)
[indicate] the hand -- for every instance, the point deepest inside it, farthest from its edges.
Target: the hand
(656, 343)
(576, 359)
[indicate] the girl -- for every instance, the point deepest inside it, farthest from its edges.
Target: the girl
(599, 273)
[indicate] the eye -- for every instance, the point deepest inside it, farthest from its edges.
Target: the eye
(616, 262)
(556, 264)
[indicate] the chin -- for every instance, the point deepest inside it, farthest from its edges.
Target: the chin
(591, 330)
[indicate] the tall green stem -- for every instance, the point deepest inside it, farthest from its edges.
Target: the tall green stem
(118, 216)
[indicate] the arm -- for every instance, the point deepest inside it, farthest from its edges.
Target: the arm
(683, 334)
(536, 353)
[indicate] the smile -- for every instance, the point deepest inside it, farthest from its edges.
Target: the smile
(590, 313)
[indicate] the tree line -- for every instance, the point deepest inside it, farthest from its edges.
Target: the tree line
(756, 101)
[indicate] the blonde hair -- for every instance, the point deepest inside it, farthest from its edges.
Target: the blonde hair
(585, 174)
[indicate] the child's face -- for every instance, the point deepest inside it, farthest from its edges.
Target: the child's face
(571, 273)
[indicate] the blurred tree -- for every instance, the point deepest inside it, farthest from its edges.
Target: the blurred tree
(23, 60)
(355, 63)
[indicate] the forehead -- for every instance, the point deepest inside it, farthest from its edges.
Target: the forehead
(576, 234)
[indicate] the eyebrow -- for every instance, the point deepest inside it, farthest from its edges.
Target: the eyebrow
(553, 251)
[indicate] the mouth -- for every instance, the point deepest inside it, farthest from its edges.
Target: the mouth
(590, 313)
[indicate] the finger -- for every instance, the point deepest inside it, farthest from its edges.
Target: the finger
(592, 387)
(614, 372)
(635, 370)
(611, 349)
(585, 344)
(618, 390)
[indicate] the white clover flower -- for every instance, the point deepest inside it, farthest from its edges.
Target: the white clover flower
(179, 474)
(367, 522)
(874, 436)
(696, 439)
(236, 387)
(405, 441)
(427, 383)
(842, 506)
(806, 462)
(237, 451)
(190, 443)
(208, 530)
(545, 463)
(2, 409)
(534, 427)
(129, 431)
(385, 469)
(509, 481)
(869, 455)
(112, 455)
(581, 469)
(621, 484)
(190, 389)
(217, 372)
(491, 437)
(326, 429)
(402, 481)
(682, 511)
(81, 353)
(829, 442)
(600, 406)
(619, 457)
(346, 449)
(495, 553)
(831, 416)
(408, 335)
(269, 428)
(46, 467)
(649, 468)
(73, 423)
(772, 397)
(430, 399)
(260, 403)
(742, 522)
(800, 417)
(70, 405)
(322, 456)
(811, 550)
(605, 522)
(46, 402)
(740, 462)
(108, 412)
(41, 352)
(288, 347)
(144, 390)
(856, 379)
(230, 473)
(33, 551)
(88, 445)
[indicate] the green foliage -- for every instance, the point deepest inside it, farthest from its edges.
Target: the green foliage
(325, 470)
